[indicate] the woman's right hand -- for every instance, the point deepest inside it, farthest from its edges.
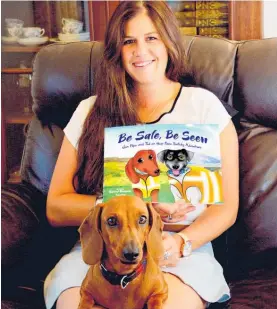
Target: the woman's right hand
(175, 212)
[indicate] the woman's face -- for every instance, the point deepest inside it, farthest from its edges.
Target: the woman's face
(144, 55)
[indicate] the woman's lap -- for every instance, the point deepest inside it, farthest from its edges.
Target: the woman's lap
(200, 273)
(70, 298)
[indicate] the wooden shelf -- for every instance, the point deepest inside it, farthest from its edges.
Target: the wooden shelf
(18, 118)
(17, 71)
(20, 49)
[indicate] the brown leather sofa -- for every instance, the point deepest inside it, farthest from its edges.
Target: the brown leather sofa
(242, 74)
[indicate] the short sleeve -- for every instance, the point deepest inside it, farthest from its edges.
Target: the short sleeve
(216, 113)
(74, 128)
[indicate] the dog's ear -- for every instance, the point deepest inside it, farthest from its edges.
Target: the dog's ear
(152, 152)
(161, 156)
(91, 239)
(154, 242)
(190, 155)
(130, 172)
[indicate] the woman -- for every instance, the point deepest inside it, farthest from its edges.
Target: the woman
(139, 82)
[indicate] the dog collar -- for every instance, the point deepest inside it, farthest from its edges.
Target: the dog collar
(122, 280)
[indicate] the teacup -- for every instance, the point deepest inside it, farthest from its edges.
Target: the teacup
(33, 32)
(14, 27)
(71, 25)
(12, 22)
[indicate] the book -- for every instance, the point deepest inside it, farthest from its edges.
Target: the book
(219, 36)
(186, 22)
(188, 30)
(206, 14)
(179, 6)
(211, 22)
(184, 15)
(212, 30)
(163, 163)
(211, 5)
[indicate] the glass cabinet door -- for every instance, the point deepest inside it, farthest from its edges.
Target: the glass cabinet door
(27, 26)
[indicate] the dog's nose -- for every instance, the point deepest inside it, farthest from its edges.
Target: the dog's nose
(157, 172)
(175, 167)
(130, 255)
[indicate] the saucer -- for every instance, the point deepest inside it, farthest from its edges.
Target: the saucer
(9, 39)
(74, 37)
(33, 41)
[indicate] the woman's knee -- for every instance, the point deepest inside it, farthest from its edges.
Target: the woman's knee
(189, 299)
(70, 298)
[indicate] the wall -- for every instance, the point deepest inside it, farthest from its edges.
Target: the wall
(270, 18)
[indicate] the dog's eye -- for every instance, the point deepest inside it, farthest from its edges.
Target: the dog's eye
(140, 160)
(142, 220)
(182, 157)
(170, 157)
(150, 157)
(112, 221)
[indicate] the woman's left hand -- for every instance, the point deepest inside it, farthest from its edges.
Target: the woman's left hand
(175, 212)
(172, 248)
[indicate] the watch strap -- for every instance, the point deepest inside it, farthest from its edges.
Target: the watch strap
(186, 247)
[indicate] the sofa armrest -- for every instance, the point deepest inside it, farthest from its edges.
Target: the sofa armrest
(30, 245)
(21, 207)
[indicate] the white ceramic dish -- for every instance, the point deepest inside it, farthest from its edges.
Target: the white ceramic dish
(9, 39)
(74, 37)
(33, 41)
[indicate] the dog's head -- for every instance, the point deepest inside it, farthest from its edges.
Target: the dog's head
(175, 160)
(144, 163)
(122, 228)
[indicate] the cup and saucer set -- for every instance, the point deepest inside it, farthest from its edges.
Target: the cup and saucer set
(28, 36)
(72, 31)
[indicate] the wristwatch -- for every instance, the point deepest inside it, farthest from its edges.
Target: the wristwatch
(186, 247)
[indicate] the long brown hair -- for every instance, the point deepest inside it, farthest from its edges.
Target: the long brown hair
(115, 104)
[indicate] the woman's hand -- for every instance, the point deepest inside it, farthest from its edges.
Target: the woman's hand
(173, 213)
(172, 248)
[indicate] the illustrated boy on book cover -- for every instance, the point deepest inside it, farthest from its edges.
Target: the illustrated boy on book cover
(164, 163)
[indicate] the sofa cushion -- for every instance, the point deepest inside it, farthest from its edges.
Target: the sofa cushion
(255, 92)
(258, 291)
(212, 65)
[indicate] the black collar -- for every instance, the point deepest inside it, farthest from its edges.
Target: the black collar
(122, 280)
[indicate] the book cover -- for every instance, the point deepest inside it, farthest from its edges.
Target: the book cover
(212, 30)
(218, 36)
(186, 22)
(211, 5)
(188, 30)
(163, 163)
(184, 15)
(211, 22)
(182, 5)
(220, 13)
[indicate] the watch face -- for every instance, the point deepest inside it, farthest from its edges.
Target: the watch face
(187, 249)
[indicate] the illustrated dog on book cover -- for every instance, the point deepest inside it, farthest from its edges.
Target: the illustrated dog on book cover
(196, 185)
(142, 170)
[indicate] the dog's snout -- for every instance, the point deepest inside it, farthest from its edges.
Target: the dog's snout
(157, 172)
(175, 166)
(130, 253)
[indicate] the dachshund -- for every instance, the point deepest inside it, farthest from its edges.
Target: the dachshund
(141, 170)
(122, 240)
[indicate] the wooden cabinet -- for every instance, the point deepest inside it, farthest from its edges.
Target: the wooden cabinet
(16, 75)
(100, 13)
(243, 18)
(16, 71)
